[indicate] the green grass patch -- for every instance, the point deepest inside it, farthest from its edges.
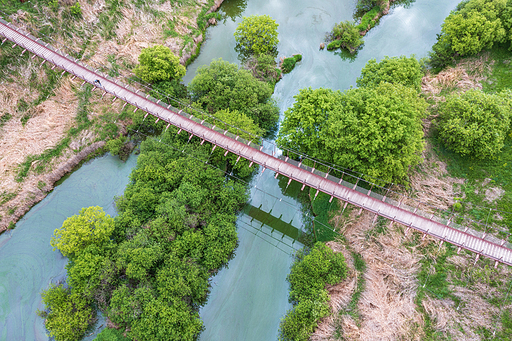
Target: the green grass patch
(501, 74)
(352, 309)
(289, 63)
(324, 211)
(475, 171)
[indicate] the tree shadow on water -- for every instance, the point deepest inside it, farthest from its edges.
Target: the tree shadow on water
(346, 55)
(233, 9)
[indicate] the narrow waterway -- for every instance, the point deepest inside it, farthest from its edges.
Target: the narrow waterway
(248, 297)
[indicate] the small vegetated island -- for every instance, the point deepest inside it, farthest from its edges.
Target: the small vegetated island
(348, 35)
(148, 269)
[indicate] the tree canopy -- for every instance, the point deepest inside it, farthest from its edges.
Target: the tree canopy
(475, 123)
(175, 228)
(68, 314)
(257, 34)
(345, 35)
(474, 26)
(395, 70)
(376, 130)
(158, 63)
(90, 227)
(222, 85)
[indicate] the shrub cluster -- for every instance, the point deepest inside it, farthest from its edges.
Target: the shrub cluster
(475, 25)
(148, 268)
(309, 275)
(289, 63)
(345, 35)
(368, 19)
(475, 124)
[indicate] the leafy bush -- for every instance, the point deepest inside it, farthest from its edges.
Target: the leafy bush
(475, 123)
(289, 63)
(257, 34)
(395, 70)
(68, 314)
(222, 85)
(90, 227)
(76, 10)
(382, 129)
(474, 26)
(110, 334)
(114, 146)
(367, 19)
(308, 277)
(264, 68)
(158, 63)
(345, 35)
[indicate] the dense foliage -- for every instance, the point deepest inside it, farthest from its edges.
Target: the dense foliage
(264, 68)
(222, 85)
(256, 35)
(175, 228)
(475, 123)
(345, 35)
(395, 70)
(368, 20)
(375, 130)
(158, 63)
(475, 25)
(91, 227)
(68, 314)
(289, 63)
(309, 274)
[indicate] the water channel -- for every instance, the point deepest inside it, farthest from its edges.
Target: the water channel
(249, 297)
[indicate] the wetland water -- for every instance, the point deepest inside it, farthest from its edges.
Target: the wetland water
(249, 297)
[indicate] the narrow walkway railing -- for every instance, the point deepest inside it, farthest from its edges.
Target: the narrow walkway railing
(445, 230)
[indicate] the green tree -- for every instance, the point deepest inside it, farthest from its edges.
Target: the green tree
(182, 279)
(67, 314)
(300, 321)
(257, 35)
(138, 256)
(313, 270)
(306, 121)
(161, 321)
(90, 227)
(376, 131)
(345, 35)
(308, 277)
(395, 70)
(222, 85)
(474, 26)
(475, 123)
(158, 63)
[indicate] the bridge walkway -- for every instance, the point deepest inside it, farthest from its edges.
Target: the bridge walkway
(483, 245)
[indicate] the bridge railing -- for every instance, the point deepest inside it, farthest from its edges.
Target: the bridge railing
(346, 178)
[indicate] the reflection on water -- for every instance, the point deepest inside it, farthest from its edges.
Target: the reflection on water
(233, 9)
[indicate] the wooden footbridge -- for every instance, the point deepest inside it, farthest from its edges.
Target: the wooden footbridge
(445, 230)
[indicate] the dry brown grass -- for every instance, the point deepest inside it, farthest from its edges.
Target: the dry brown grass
(386, 307)
(464, 76)
(431, 184)
(50, 120)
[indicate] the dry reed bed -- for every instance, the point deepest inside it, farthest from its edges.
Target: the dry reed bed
(51, 119)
